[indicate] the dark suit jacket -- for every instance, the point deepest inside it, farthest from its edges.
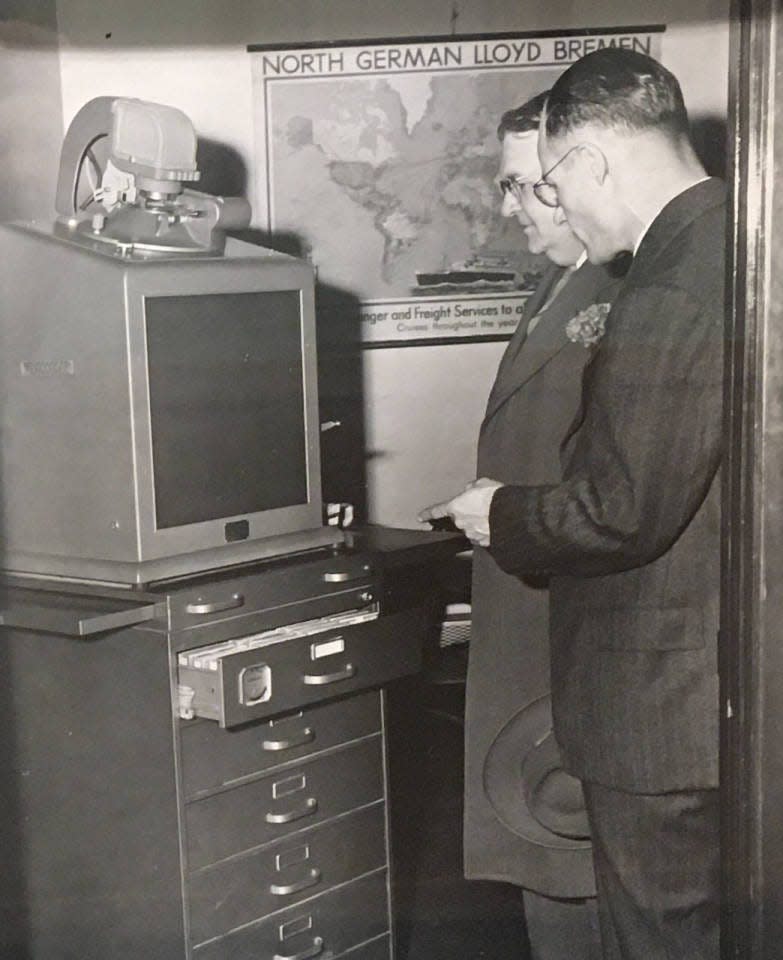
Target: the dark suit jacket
(531, 406)
(632, 533)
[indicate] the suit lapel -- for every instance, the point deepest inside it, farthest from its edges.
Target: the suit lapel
(532, 306)
(546, 340)
(538, 297)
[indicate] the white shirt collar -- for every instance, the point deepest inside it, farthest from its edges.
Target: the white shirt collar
(582, 260)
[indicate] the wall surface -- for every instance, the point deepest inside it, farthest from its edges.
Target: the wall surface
(422, 405)
(31, 120)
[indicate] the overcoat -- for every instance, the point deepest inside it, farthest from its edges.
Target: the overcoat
(532, 404)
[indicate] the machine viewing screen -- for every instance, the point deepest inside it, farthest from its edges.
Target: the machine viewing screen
(226, 404)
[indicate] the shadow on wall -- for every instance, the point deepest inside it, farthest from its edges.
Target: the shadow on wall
(341, 386)
(30, 114)
(223, 171)
(710, 137)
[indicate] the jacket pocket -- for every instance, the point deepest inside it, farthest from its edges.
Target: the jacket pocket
(647, 629)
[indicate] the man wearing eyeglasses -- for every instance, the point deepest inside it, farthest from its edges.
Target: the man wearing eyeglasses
(631, 535)
(529, 829)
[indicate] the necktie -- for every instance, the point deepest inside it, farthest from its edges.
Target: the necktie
(556, 288)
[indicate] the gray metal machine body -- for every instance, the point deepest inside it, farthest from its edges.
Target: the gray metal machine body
(77, 469)
(78, 466)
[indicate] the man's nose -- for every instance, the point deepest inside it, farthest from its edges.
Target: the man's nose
(559, 215)
(509, 205)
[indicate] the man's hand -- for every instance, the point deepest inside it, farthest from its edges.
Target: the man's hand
(469, 510)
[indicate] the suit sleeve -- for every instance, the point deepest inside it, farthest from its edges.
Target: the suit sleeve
(646, 452)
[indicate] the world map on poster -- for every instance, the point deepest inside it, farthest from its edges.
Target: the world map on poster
(381, 162)
(400, 182)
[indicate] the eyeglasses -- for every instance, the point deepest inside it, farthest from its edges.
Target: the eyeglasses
(511, 185)
(545, 191)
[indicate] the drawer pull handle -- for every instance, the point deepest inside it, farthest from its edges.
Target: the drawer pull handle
(305, 809)
(297, 740)
(343, 576)
(312, 951)
(215, 606)
(321, 679)
(284, 889)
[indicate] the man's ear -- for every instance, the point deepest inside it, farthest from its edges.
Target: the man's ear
(595, 160)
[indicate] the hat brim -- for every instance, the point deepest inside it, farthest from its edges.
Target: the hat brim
(529, 790)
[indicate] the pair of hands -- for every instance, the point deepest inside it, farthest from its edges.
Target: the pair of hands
(469, 510)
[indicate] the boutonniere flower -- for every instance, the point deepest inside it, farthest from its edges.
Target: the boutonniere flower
(588, 326)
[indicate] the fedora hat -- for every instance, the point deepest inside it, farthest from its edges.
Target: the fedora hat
(537, 801)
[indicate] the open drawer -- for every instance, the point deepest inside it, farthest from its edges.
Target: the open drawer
(253, 677)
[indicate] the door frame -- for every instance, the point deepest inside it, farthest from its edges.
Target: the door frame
(751, 648)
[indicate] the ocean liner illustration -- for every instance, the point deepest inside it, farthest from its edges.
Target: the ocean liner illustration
(486, 273)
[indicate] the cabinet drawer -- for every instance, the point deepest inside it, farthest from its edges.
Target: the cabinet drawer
(218, 598)
(238, 686)
(238, 891)
(379, 949)
(322, 927)
(212, 757)
(292, 798)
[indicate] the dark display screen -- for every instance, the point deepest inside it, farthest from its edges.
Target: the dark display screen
(226, 404)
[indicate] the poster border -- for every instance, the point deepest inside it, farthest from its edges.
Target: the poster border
(457, 37)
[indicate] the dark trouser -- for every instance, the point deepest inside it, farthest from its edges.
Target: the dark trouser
(657, 867)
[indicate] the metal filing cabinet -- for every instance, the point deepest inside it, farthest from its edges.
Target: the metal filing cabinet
(257, 831)
(292, 833)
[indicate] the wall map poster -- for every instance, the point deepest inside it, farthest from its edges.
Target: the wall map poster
(380, 158)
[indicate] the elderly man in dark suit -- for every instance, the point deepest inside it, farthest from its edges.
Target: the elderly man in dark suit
(631, 534)
(534, 399)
